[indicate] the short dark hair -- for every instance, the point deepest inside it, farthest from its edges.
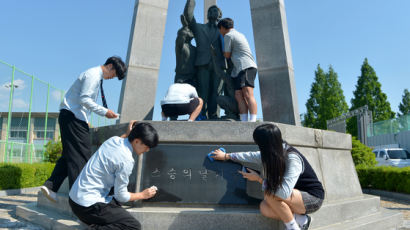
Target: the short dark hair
(118, 65)
(145, 132)
(226, 23)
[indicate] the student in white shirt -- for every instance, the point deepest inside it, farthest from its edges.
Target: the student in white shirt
(79, 102)
(181, 99)
(110, 166)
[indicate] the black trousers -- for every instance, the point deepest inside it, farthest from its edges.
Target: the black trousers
(105, 216)
(75, 137)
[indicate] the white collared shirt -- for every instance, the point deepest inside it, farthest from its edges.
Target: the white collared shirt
(81, 98)
(110, 166)
(179, 93)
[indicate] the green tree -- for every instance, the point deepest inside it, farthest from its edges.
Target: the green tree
(368, 92)
(326, 99)
(404, 106)
(53, 151)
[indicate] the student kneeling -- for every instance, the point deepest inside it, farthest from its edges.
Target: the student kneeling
(181, 99)
(292, 189)
(110, 167)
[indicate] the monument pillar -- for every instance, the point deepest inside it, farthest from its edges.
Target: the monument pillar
(275, 67)
(138, 90)
(207, 4)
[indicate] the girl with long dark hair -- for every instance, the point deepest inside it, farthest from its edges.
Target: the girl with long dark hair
(292, 189)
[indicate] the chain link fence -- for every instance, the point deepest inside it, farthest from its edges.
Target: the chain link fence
(29, 110)
(392, 126)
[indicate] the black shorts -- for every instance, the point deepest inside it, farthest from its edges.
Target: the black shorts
(245, 78)
(172, 110)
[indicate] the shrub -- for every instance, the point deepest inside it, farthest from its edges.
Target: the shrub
(385, 178)
(53, 151)
(361, 154)
(14, 176)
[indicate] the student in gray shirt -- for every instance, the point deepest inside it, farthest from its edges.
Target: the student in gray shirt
(236, 48)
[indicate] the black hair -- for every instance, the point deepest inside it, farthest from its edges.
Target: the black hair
(145, 132)
(269, 140)
(219, 11)
(118, 65)
(226, 23)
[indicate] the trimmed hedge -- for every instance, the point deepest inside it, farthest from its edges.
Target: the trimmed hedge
(385, 178)
(15, 176)
(361, 154)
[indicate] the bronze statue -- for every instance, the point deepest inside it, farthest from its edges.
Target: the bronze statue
(209, 83)
(227, 101)
(185, 54)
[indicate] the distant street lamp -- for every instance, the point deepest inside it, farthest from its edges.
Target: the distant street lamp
(8, 86)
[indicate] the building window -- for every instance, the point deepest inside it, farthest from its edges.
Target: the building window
(18, 128)
(39, 126)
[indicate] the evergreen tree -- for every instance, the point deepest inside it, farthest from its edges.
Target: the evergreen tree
(404, 106)
(326, 99)
(368, 92)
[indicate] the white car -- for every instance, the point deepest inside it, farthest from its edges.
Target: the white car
(396, 157)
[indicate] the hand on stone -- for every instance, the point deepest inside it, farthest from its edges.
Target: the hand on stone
(218, 155)
(149, 192)
(111, 114)
(252, 175)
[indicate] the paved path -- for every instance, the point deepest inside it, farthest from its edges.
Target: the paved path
(9, 220)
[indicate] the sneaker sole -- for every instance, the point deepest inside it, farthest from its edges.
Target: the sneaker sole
(309, 223)
(47, 195)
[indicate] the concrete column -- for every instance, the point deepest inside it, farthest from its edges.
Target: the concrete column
(143, 59)
(56, 131)
(4, 129)
(3, 138)
(275, 67)
(207, 4)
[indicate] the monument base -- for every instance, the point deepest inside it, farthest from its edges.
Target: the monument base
(230, 205)
(360, 213)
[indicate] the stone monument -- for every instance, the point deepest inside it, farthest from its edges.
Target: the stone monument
(195, 193)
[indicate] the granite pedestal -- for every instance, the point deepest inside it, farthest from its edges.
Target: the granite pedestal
(189, 198)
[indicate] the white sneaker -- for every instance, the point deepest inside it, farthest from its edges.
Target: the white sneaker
(307, 225)
(52, 196)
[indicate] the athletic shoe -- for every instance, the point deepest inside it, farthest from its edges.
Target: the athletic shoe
(52, 196)
(306, 226)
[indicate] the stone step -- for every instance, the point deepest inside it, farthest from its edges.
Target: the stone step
(331, 212)
(171, 218)
(248, 218)
(48, 219)
(383, 220)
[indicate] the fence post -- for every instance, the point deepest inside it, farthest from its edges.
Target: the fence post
(45, 125)
(9, 115)
(29, 123)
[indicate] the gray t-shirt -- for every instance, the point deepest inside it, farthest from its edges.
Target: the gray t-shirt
(241, 55)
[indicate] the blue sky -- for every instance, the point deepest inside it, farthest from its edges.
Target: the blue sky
(57, 40)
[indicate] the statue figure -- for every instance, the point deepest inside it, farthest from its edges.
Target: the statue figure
(209, 84)
(185, 54)
(227, 101)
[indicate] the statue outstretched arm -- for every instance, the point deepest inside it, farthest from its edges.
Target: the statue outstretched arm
(189, 12)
